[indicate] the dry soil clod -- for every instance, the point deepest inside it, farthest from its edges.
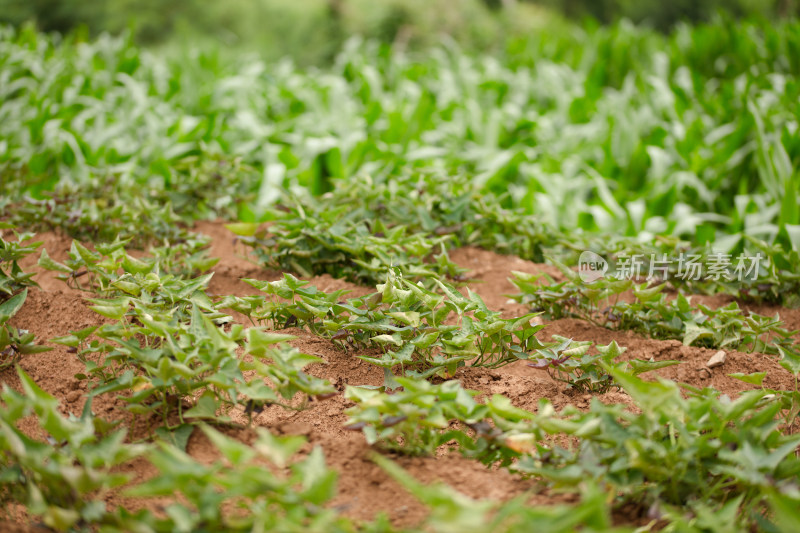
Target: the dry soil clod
(718, 359)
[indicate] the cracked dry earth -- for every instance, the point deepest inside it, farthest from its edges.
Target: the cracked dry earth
(365, 490)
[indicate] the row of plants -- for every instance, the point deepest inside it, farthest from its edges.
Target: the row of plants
(649, 310)
(417, 417)
(741, 266)
(686, 462)
(109, 270)
(448, 213)
(167, 349)
(363, 228)
(168, 352)
(422, 332)
(266, 486)
(689, 460)
(64, 480)
(14, 283)
(355, 251)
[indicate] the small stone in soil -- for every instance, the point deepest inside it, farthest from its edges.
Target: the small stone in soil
(718, 359)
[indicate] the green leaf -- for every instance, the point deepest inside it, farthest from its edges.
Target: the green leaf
(695, 332)
(404, 355)
(655, 396)
(648, 295)
(790, 360)
(49, 264)
(501, 405)
(114, 308)
(243, 229)
(640, 367)
(89, 257)
(74, 339)
(784, 509)
(410, 318)
(387, 339)
(10, 307)
(178, 437)
(234, 451)
(259, 342)
(319, 482)
(611, 351)
(34, 391)
(389, 381)
(61, 519)
(277, 449)
(205, 408)
(136, 266)
(755, 378)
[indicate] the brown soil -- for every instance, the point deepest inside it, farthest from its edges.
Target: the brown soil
(364, 489)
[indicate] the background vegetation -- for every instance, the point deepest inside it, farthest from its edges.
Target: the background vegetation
(311, 31)
(617, 129)
(378, 137)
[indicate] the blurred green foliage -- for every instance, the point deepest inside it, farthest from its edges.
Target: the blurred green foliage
(664, 15)
(615, 129)
(311, 31)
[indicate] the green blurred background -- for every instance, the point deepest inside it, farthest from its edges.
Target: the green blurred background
(312, 31)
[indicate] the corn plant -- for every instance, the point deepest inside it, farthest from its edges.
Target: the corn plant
(617, 143)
